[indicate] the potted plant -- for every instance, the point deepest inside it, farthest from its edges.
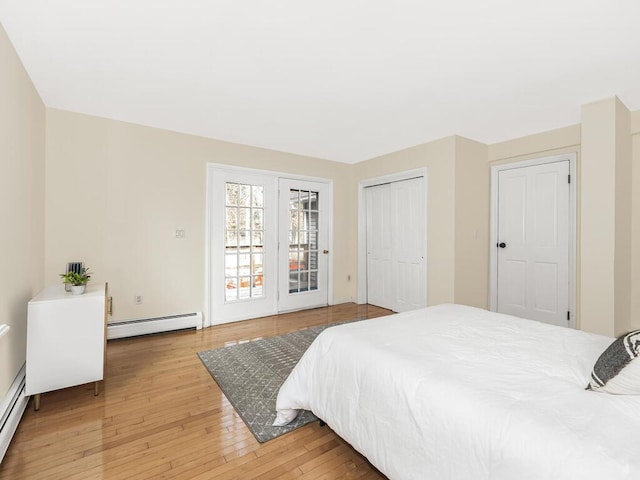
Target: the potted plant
(78, 281)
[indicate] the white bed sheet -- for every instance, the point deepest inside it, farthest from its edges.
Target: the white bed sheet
(455, 392)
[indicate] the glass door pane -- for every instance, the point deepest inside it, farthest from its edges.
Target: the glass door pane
(303, 225)
(243, 247)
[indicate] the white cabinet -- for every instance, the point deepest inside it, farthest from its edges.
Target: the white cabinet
(65, 339)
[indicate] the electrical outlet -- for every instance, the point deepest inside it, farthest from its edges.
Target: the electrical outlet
(137, 299)
(179, 232)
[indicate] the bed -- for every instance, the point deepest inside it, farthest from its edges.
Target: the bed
(455, 392)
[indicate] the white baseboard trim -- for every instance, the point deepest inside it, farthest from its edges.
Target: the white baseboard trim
(11, 410)
(146, 326)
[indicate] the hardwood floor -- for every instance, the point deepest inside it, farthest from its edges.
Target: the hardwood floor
(160, 415)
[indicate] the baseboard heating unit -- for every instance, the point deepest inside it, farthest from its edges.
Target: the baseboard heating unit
(147, 326)
(11, 410)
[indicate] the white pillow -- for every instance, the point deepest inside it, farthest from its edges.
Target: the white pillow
(617, 370)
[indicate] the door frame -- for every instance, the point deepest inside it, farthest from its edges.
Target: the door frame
(276, 175)
(493, 228)
(362, 225)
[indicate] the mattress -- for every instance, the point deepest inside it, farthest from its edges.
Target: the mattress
(455, 392)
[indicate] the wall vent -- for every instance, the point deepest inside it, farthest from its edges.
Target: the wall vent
(147, 326)
(11, 410)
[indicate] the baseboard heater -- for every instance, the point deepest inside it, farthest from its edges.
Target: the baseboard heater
(147, 326)
(11, 410)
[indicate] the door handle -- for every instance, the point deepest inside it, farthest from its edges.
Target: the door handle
(325, 252)
(502, 245)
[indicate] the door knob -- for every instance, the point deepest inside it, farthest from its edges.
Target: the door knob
(325, 251)
(502, 245)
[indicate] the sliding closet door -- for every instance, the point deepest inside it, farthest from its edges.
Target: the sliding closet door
(409, 244)
(379, 246)
(396, 245)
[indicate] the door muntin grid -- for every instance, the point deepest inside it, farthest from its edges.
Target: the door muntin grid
(244, 241)
(303, 240)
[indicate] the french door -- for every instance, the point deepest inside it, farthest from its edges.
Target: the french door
(243, 245)
(304, 244)
(268, 244)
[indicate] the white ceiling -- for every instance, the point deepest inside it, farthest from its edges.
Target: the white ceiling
(344, 80)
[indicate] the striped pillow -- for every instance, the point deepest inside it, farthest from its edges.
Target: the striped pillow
(617, 370)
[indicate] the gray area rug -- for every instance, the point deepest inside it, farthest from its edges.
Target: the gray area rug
(250, 375)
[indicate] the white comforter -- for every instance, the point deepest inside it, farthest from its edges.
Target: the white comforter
(454, 392)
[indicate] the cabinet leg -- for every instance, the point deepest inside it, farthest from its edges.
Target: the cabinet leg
(96, 388)
(36, 402)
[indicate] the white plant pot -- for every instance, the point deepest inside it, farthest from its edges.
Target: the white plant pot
(78, 289)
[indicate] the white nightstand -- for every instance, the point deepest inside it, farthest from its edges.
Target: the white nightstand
(66, 339)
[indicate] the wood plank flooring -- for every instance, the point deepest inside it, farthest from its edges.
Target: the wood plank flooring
(160, 415)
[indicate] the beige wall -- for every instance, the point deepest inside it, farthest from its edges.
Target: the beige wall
(116, 192)
(544, 144)
(457, 214)
(605, 233)
(133, 186)
(608, 204)
(472, 188)
(635, 221)
(607, 222)
(597, 218)
(22, 124)
(140, 184)
(608, 209)
(438, 157)
(623, 215)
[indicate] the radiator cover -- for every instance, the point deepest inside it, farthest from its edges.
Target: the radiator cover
(146, 326)
(11, 410)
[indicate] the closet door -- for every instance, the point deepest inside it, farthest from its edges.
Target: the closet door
(379, 228)
(396, 245)
(409, 245)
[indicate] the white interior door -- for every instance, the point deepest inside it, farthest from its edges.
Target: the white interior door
(304, 219)
(533, 242)
(396, 245)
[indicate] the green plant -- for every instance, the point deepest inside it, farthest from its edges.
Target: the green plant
(75, 278)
